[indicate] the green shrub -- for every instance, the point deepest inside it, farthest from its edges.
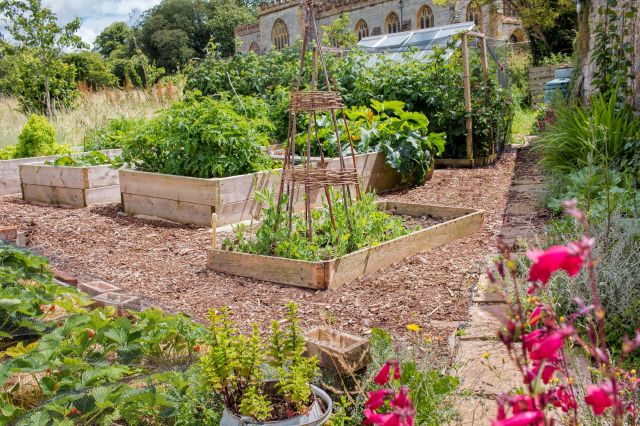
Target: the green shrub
(202, 137)
(111, 136)
(38, 138)
(599, 132)
(434, 89)
(8, 152)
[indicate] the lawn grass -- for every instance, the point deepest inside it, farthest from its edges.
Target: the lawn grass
(523, 122)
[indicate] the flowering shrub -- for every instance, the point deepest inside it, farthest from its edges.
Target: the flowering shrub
(389, 406)
(538, 342)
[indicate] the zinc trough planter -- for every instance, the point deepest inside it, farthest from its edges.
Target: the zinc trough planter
(69, 186)
(331, 274)
(10, 170)
(190, 200)
(319, 414)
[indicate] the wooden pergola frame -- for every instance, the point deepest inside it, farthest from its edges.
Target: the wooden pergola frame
(466, 77)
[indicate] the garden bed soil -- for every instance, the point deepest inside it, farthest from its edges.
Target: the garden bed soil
(69, 186)
(189, 200)
(164, 264)
(334, 273)
(10, 170)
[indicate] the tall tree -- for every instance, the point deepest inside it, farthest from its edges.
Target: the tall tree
(115, 40)
(175, 31)
(35, 29)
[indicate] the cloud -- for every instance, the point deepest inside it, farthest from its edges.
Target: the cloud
(97, 14)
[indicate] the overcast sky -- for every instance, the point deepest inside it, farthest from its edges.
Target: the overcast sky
(97, 14)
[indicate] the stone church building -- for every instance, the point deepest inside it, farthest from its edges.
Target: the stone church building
(280, 21)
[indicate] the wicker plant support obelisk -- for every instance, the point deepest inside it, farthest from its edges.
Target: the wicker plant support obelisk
(310, 102)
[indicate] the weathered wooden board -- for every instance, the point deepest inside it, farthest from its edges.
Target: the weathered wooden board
(10, 169)
(298, 273)
(54, 195)
(538, 77)
(333, 273)
(69, 186)
(176, 211)
(481, 161)
(170, 187)
(366, 261)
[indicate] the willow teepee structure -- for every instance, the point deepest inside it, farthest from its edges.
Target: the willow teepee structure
(311, 101)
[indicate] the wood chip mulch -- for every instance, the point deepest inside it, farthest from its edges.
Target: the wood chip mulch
(165, 264)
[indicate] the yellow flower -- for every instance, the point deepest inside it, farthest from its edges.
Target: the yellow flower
(413, 327)
(485, 355)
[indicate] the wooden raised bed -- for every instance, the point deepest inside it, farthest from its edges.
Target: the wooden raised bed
(481, 161)
(69, 186)
(10, 170)
(330, 274)
(193, 200)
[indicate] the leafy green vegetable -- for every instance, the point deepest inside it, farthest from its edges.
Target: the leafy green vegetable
(94, 158)
(202, 137)
(112, 135)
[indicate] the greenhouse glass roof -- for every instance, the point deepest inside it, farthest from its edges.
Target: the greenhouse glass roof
(394, 45)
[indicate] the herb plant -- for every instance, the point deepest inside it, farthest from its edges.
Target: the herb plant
(367, 226)
(235, 367)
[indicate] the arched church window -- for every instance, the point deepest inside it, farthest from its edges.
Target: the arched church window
(280, 35)
(425, 18)
(362, 29)
(392, 23)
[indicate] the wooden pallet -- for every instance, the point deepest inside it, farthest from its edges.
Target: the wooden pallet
(192, 200)
(331, 274)
(69, 186)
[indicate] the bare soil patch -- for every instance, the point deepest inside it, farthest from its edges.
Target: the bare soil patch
(164, 264)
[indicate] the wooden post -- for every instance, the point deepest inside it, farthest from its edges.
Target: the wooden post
(467, 96)
(485, 75)
(214, 222)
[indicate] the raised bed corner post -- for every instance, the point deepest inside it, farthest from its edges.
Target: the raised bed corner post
(467, 97)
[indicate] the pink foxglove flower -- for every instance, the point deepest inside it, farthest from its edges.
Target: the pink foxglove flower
(382, 378)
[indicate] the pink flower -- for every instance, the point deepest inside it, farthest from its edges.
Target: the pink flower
(532, 338)
(382, 378)
(535, 315)
(548, 346)
(563, 399)
(552, 259)
(599, 397)
(376, 399)
(546, 375)
(525, 418)
(522, 403)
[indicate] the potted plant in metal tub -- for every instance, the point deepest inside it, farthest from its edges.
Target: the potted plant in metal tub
(264, 384)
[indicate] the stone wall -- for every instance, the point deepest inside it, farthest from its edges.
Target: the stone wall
(374, 13)
(588, 65)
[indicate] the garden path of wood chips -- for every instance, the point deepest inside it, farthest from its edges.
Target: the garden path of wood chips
(165, 264)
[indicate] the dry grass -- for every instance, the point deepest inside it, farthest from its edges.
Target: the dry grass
(92, 111)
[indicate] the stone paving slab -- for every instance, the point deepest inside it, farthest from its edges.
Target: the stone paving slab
(475, 411)
(486, 368)
(483, 322)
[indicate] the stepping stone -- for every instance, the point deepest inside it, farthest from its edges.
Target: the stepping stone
(490, 376)
(474, 411)
(122, 302)
(484, 322)
(65, 277)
